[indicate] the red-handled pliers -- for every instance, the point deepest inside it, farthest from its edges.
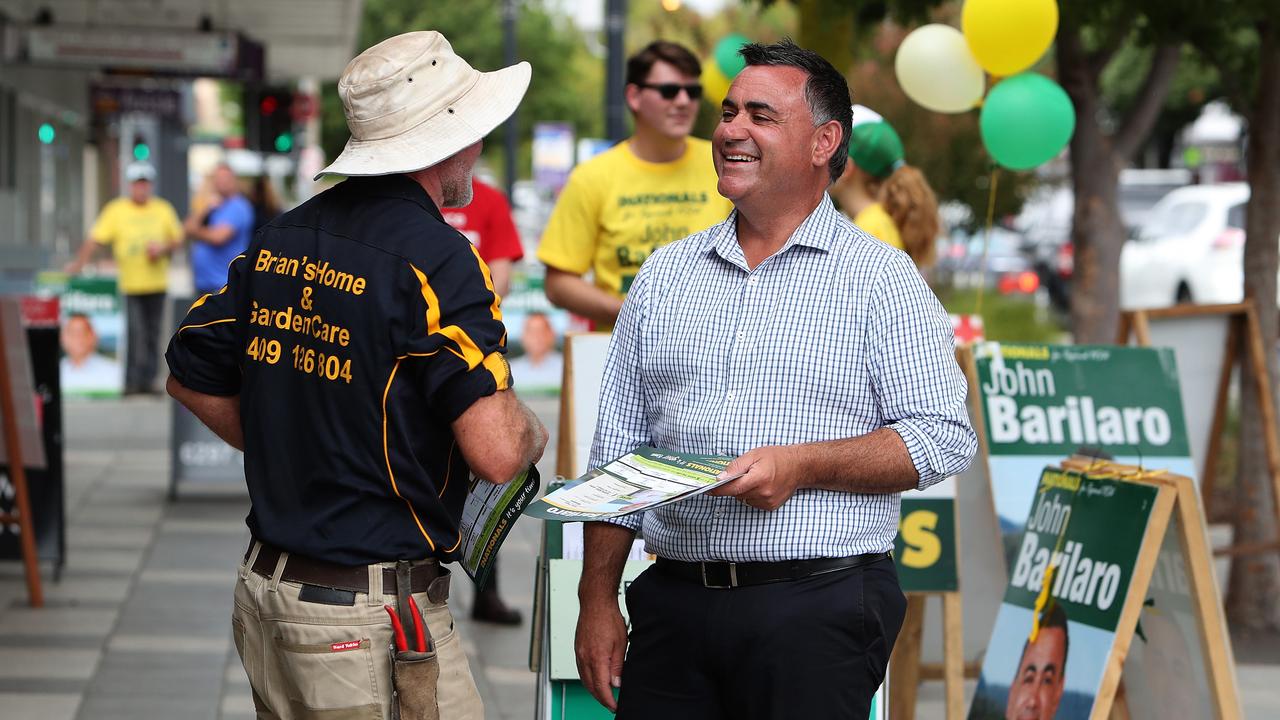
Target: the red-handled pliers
(420, 635)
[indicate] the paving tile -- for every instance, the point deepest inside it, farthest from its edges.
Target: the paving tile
(187, 577)
(168, 644)
(235, 674)
(230, 526)
(56, 621)
(43, 686)
(182, 551)
(173, 686)
(123, 561)
(53, 664)
(1261, 696)
(108, 538)
(16, 642)
(87, 590)
(46, 706)
(137, 517)
(237, 704)
(179, 611)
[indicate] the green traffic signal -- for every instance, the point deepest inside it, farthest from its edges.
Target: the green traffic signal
(46, 133)
(284, 142)
(141, 152)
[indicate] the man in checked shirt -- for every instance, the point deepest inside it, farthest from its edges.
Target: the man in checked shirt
(825, 364)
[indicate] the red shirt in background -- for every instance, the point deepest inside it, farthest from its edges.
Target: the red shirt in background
(487, 223)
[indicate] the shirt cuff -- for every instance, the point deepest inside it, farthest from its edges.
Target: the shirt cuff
(632, 522)
(918, 447)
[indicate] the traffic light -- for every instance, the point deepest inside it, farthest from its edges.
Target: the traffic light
(141, 148)
(46, 133)
(269, 120)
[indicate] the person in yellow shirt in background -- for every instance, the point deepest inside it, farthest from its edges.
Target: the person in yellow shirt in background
(657, 186)
(142, 231)
(882, 194)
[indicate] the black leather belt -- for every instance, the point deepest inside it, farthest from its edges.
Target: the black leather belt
(739, 574)
(310, 571)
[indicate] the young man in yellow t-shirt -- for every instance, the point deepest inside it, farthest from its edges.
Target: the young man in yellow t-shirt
(657, 186)
(142, 232)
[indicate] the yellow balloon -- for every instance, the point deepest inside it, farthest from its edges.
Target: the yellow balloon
(1009, 36)
(714, 83)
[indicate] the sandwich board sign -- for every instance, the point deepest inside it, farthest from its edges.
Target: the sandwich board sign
(1044, 402)
(1111, 600)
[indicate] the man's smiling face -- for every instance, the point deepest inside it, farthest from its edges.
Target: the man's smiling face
(765, 135)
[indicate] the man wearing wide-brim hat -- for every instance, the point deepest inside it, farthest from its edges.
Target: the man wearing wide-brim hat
(357, 356)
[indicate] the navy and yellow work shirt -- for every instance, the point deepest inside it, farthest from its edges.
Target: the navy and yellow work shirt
(355, 330)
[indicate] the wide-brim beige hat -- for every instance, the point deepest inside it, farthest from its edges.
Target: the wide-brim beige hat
(411, 102)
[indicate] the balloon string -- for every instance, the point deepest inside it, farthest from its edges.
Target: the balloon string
(986, 239)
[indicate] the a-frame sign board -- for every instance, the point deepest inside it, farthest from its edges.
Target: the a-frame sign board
(14, 360)
(1213, 341)
(1114, 565)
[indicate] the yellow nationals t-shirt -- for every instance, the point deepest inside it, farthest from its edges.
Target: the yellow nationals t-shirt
(128, 227)
(876, 222)
(617, 209)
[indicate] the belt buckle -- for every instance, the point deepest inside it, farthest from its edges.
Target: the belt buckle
(733, 577)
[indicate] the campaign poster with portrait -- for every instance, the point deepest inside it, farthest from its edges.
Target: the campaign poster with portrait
(1056, 628)
(535, 335)
(92, 335)
(1042, 403)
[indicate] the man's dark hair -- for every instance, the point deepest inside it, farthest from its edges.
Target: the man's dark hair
(1053, 616)
(825, 91)
(676, 55)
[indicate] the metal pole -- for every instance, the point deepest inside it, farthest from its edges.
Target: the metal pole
(509, 58)
(615, 106)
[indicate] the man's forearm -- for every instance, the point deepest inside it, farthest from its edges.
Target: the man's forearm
(221, 414)
(605, 547)
(580, 297)
(83, 255)
(877, 462)
(216, 235)
(500, 273)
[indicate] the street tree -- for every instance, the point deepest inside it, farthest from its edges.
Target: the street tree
(567, 81)
(1244, 46)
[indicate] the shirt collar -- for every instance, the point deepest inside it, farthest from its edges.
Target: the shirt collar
(817, 231)
(393, 186)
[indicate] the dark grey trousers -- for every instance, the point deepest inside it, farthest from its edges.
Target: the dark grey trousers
(144, 314)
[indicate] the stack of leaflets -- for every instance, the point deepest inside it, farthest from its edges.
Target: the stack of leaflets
(641, 480)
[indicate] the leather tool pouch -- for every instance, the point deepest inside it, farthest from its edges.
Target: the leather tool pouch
(414, 675)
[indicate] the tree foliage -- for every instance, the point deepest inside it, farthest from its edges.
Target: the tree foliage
(568, 80)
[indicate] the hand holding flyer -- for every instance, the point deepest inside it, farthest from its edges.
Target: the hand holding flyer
(640, 480)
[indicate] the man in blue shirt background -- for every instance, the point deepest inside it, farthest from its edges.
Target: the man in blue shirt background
(222, 230)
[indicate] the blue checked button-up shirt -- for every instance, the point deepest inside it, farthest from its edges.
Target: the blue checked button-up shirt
(834, 336)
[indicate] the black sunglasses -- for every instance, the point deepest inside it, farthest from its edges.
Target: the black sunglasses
(669, 91)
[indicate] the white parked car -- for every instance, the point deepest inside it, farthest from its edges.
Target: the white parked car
(1190, 249)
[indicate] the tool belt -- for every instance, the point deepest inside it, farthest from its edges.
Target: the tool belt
(415, 669)
(310, 571)
(739, 574)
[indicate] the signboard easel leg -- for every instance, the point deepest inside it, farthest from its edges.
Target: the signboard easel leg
(22, 501)
(905, 665)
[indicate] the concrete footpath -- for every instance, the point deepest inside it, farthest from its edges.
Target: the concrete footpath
(138, 627)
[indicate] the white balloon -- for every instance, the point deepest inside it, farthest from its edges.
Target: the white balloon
(936, 69)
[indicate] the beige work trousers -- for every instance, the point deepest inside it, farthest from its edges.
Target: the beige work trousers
(310, 661)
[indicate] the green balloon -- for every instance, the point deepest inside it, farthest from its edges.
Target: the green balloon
(726, 54)
(1026, 120)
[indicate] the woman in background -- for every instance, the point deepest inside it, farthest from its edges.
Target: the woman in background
(882, 194)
